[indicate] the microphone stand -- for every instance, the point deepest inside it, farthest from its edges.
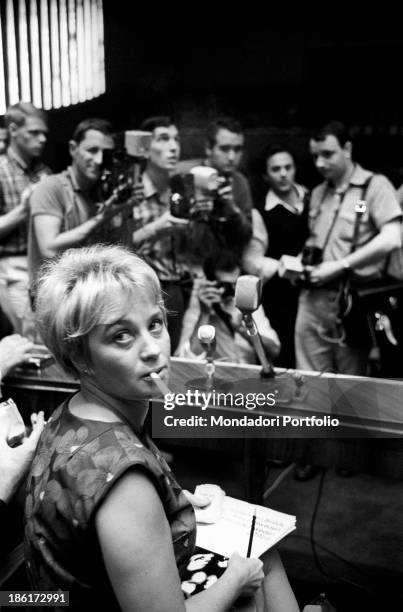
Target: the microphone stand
(207, 340)
(267, 370)
(209, 368)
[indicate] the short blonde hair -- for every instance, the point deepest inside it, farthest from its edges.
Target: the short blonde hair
(79, 289)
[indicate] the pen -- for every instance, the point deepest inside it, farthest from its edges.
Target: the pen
(252, 531)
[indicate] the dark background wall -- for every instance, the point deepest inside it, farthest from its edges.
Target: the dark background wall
(280, 81)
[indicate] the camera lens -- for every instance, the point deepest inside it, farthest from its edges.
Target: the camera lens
(229, 289)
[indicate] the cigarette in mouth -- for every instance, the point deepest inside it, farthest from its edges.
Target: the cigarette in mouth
(160, 383)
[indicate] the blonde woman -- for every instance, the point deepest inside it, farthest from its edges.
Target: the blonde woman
(105, 518)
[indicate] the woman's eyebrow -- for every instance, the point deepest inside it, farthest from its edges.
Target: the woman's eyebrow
(114, 322)
(157, 312)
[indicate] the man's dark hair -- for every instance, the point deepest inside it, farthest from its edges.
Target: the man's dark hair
(333, 128)
(94, 123)
(151, 123)
(19, 113)
(273, 149)
(221, 261)
(222, 123)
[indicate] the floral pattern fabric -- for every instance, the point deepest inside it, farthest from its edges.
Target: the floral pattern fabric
(77, 463)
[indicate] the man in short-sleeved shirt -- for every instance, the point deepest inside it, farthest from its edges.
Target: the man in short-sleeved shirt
(229, 223)
(65, 207)
(159, 237)
(20, 169)
(332, 222)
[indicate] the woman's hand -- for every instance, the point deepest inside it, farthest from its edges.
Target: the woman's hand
(197, 500)
(249, 573)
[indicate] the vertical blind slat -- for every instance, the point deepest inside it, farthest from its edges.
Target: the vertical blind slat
(64, 54)
(55, 55)
(88, 50)
(11, 54)
(81, 51)
(72, 27)
(45, 57)
(25, 85)
(35, 54)
(3, 103)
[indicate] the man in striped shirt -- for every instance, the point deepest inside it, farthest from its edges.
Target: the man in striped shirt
(20, 169)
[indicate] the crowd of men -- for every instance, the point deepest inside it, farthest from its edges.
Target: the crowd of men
(199, 256)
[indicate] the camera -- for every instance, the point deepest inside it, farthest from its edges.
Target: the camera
(295, 269)
(122, 166)
(312, 256)
(192, 193)
(221, 210)
(291, 268)
(229, 289)
(182, 195)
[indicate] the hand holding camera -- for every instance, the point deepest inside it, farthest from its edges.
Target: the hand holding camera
(309, 271)
(325, 272)
(224, 190)
(111, 207)
(122, 167)
(317, 272)
(224, 204)
(209, 293)
(193, 193)
(168, 223)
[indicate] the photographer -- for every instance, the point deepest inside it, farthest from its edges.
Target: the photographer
(213, 303)
(328, 254)
(68, 209)
(229, 224)
(159, 236)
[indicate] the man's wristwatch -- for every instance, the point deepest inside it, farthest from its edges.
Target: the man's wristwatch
(346, 265)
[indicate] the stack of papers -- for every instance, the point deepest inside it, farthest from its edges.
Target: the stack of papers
(232, 530)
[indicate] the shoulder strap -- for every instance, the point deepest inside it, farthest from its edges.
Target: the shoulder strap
(366, 184)
(360, 209)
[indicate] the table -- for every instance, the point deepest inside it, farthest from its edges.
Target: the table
(371, 410)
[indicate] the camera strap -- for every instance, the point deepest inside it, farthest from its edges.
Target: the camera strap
(336, 212)
(345, 284)
(360, 209)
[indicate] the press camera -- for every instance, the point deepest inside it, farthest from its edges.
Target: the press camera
(196, 195)
(298, 269)
(122, 166)
(193, 193)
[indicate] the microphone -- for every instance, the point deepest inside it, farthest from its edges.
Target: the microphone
(248, 290)
(206, 336)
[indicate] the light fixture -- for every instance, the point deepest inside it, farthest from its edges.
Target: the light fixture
(51, 52)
